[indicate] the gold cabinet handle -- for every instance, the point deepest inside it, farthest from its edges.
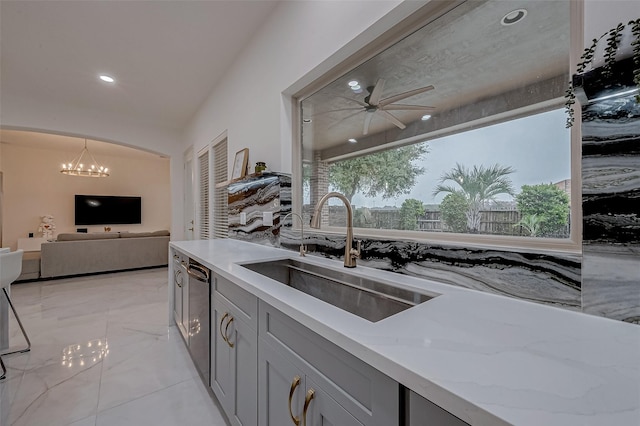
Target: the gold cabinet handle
(307, 400)
(226, 330)
(294, 385)
(226, 314)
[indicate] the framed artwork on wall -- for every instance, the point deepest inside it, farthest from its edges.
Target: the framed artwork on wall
(240, 164)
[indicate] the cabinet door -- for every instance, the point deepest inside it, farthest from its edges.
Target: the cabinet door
(234, 365)
(243, 348)
(221, 376)
(322, 410)
(281, 388)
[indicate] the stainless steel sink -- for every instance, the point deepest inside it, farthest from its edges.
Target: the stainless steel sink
(369, 299)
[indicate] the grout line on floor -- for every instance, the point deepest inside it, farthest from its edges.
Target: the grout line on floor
(140, 397)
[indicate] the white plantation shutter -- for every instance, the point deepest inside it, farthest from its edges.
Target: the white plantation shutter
(220, 197)
(203, 198)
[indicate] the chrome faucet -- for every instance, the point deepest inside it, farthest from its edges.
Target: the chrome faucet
(303, 249)
(350, 254)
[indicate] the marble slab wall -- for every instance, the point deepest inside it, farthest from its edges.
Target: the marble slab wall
(267, 192)
(611, 208)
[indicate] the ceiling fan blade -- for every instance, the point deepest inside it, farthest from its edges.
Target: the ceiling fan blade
(389, 117)
(367, 122)
(376, 93)
(404, 95)
(401, 107)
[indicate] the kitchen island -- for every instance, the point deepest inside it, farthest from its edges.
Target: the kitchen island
(486, 359)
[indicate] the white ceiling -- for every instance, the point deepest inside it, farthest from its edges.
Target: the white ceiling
(166, 56)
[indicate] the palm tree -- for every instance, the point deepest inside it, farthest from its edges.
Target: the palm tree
(477, 185)
(531, 223)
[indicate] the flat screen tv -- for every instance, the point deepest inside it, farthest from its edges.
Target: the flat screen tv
(108, 210)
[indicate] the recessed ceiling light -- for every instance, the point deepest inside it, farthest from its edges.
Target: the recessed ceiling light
(426, 117)
(513, 17)
(353, 83)
(107, 78)
(352, 140)
(356, 87)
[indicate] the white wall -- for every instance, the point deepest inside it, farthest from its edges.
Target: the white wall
(296, 40)
(34, 186)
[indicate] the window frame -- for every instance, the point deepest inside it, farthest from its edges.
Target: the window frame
(571, 245)
(214, 207)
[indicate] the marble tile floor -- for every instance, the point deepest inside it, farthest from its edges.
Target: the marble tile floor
(103, 354)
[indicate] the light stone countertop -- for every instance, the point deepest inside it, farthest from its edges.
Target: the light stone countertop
(489, 360)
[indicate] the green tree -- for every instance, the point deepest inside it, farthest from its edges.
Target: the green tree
(548, 202)
(410, 210)
(454, 209)
(478, 185)
(387, 173)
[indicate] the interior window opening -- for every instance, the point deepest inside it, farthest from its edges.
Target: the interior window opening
(443, 133)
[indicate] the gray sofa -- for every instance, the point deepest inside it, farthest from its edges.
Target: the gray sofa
(76, 254)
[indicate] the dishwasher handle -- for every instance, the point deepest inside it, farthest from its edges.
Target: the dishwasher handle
(198, 272)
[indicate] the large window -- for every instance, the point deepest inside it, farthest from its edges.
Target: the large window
(458, 128)
(212, 193)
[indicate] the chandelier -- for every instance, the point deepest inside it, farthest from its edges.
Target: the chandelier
(77, 166)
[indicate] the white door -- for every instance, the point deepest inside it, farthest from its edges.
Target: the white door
(188, 202)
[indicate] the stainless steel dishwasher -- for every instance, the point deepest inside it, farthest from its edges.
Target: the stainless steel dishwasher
(199, 317)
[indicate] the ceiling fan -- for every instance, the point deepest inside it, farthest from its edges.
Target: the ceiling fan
(373, 105)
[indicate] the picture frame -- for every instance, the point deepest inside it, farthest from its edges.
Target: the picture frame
(240, 164)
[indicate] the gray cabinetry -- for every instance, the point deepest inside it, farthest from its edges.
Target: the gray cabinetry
(347, 391)
(234, 351)
(288, 396)
(180, 282)
(422, 412)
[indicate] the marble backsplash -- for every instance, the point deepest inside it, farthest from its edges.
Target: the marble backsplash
(545, 278)
(267, 192)
(552, 279)
(611, 208)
